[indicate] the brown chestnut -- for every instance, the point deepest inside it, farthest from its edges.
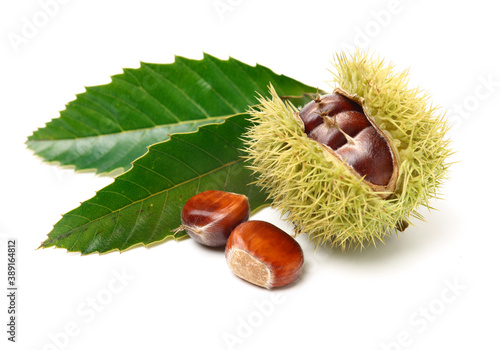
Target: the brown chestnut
(209, 217)
(263, 254)
(341, 124)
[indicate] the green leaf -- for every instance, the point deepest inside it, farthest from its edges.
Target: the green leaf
(144, 205)
(109, 126)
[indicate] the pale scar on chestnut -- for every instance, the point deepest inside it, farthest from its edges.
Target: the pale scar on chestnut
(245, 266)
(263, 254)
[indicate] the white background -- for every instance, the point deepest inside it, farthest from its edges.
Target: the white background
(178, 295)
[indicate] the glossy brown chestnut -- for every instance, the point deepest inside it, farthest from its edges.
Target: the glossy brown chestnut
(209, 217)
(263, 254)
(341, 124)
(330, 105)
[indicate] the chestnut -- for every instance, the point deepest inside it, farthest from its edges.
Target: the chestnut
(209, 217)
(263, 254)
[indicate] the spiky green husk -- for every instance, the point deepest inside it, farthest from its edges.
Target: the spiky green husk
(317, 192)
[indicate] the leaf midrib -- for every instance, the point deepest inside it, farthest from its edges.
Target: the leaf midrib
(137, 130)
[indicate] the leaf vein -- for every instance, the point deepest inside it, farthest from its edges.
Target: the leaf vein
(133, 183)
(126, 103)
(229, 79)
(213, 89)
(159, 218)
(79, 216)
(68, 114)
(93, 109)
(133, 228)
(175, 116)
(96, 231)
(154, 172)
(180, 90)
(98, 205)
(177, 159)
(201, 149)
(117, 193)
